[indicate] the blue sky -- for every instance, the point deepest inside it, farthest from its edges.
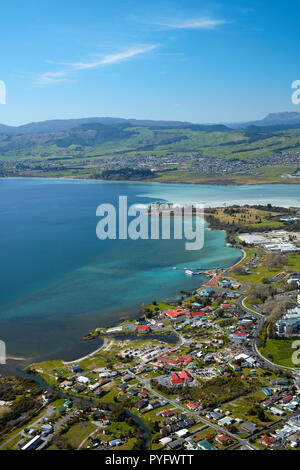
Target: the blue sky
(194, 60)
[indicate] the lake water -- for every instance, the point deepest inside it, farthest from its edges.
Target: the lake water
(59, 281)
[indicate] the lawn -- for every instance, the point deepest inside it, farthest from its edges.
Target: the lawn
(120, 430)
(205, 432)
(77, 433)
(262, 272)
(242, 408)
(280, 351)
(257, 275)
(158, 306)
(294, 263)
(247, 217)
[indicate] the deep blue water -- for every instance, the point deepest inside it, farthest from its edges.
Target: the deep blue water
(58, 281)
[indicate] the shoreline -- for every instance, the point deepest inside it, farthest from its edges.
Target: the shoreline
(138, 315)
(242, 255)
(290, 181)
(105, 341)
(238, 262)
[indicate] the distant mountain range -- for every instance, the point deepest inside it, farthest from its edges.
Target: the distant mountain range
(61, 125)
(280, 120)
(286, 120)
(106, 137)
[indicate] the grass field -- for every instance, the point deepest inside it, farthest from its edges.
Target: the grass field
(262, 272)
(242, 408)
(280, 352)
(247, 217)
(294, 263)
(258, 275)
(159, 305)
(77, 433)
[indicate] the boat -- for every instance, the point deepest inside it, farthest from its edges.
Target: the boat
(188, 272)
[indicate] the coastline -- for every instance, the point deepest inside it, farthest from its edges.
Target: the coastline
(242, 259)
(105, 341)
(86, 351)
(138, 314)
(286, 181)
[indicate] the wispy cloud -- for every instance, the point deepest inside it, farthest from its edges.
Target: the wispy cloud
(48, 78)
(110, 59)
(198, 23)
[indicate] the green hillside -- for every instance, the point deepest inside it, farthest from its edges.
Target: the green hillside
(191, 153)
(105, 141)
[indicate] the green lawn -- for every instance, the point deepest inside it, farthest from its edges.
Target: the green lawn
(77, 433)
(280, 351)
(242, 407)
(294, 263)
(257, 275)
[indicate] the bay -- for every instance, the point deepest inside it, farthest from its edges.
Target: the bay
(59, 281)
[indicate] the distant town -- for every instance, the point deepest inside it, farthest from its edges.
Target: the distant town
(152, 166)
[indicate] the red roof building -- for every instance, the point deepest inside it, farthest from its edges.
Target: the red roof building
(192, 406)
(185, 359)
(180, 378)
(287, 399)
(223, 439)
(196, 314)
(176, 312)
(185, 375)
(176, 380)
(267, 441)
(168, 360)
(143, 328)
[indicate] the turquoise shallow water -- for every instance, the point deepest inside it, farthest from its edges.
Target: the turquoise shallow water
(58, 281)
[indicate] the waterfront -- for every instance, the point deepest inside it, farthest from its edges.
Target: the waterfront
(59, 281)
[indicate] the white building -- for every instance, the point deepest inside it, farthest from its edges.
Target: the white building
(182, 433)
(83, 380)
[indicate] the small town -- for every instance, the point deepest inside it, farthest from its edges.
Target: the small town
(193, 163)
(150, 231)
(214, 371)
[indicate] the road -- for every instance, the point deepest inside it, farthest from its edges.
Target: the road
(49, 411)
(245, 442)
(261, 320)
(56, 427)
(200, 418)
